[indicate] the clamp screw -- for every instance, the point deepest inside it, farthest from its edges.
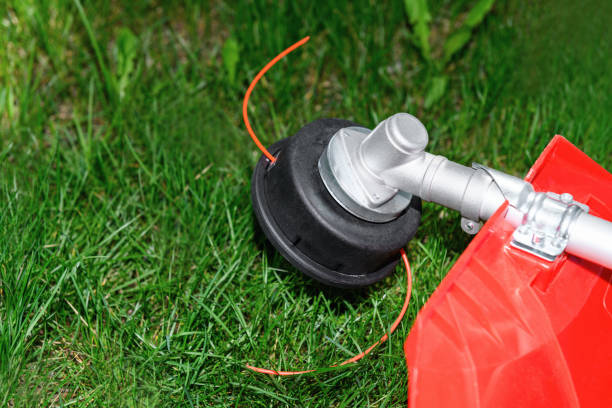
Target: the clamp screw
(469, 226)
(523, 229)
(538, 238)
(567, 198)
(558, 243)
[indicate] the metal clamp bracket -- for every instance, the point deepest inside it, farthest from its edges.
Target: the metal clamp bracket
(544, 231)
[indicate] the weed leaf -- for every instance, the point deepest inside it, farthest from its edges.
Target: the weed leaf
(126, 50)
(417, 11)
(231, 56)
(419, 17)
(455, 42)
(436, 90)
(478, 13)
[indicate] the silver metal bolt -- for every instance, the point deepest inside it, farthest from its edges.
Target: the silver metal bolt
(567, 198)
(558, 243)
(469, 226)
(538, 238)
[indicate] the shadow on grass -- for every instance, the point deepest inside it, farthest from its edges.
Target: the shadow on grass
(299, 283)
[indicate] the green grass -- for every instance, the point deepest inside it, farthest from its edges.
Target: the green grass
(131, 271)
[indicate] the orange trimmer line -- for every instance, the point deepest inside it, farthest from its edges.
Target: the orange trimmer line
(245, 103)
(369, 349)
(270, 157)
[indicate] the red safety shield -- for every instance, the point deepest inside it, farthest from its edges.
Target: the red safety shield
(508, 329)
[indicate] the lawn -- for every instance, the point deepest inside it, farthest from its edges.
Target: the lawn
(131, 269)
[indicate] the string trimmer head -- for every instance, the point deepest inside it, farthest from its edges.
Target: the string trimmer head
(310, 228)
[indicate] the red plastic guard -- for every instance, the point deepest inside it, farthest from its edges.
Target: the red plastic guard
(508, 329)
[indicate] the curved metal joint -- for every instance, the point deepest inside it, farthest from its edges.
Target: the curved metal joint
(357, 189)
(354, 164)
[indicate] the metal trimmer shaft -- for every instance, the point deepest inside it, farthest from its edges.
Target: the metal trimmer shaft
(373, 175)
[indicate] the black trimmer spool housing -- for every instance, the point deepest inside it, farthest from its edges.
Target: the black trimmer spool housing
(310, 229)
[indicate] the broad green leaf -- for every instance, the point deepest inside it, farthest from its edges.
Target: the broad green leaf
(417, 11)
(455, 42)
(419, 17)
(231, 56)
(421, 31)
(3, 98)
(126, 50)
(10, 103)
(478, 13)
(436, 90)
(6, 101)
